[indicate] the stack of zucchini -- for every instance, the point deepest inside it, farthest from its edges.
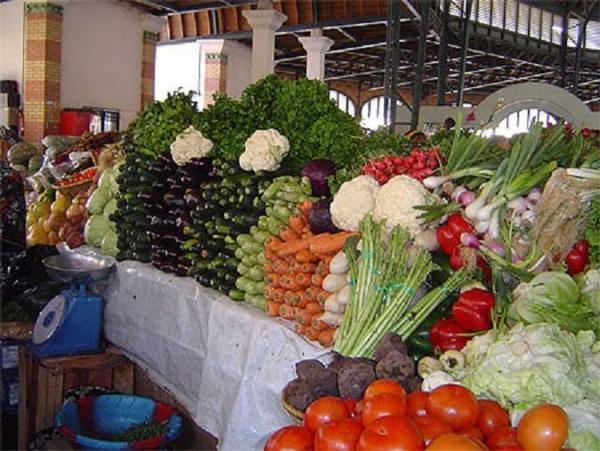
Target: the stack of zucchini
(227, 206)
(130, 217)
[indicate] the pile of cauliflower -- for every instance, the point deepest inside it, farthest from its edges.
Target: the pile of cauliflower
(394, 202)
(190, 144)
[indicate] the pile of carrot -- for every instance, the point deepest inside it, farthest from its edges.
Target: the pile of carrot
(297, 263)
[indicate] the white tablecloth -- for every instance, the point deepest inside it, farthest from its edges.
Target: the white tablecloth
(224, 361)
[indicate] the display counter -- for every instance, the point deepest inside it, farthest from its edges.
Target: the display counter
(225, 362)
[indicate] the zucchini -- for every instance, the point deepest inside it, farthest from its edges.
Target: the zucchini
(256, 273)
(236, 295)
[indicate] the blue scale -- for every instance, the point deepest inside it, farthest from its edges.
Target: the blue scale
(71, 322)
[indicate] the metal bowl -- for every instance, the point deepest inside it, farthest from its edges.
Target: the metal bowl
(74, 267)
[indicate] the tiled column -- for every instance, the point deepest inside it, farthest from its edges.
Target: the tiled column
(264, 23)
(215, 76)
(43, 37)
(316, 47)
(148, 67)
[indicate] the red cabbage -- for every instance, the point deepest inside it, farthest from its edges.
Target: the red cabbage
(319, 218)
(318, 171)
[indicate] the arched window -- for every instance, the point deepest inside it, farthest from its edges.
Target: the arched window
(372, 113)
(343, 102)
(520, 121)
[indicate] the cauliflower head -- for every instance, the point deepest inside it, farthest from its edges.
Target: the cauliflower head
(190, 144)
(396, 200)
(354, 200)
(264, 151)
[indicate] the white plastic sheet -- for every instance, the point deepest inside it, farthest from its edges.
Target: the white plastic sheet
(224, 361)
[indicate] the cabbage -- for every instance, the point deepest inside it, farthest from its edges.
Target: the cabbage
(109, 243)
(553, 297)
(538, 363)
(589, 284)
(108, 182)
(98, 200)
(110, 208)
(96, 227)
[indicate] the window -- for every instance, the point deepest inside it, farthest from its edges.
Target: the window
(372, 113)
(343, 102)
(520, 121)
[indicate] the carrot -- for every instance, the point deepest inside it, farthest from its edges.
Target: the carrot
(278, 294)
(314, 307)
(272, 308)
(269, 292)
(311, 334)
(322, 297)
(316, 280)
(291, 298)
(286, 312)
(305, 207)
(299, 328)
(326, 337)
(274, 279)
(302, 279)
(280, 266)
(288, 234)
(303, 317)
(268, 267)
(270, 255)
(272, 243)
(293, 247)
(322, 268)
(305, 256)
(317, 324)
(297, 223)
(311, 293)
(303, 299)
(289, 283)
(308, 267)
(333, 243)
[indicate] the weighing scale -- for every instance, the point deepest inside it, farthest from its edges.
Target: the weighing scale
(70, 323)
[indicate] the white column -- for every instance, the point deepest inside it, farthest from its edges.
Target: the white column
(316, 47)
(264, 22)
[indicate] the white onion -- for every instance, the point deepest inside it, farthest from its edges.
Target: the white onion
(518, 205)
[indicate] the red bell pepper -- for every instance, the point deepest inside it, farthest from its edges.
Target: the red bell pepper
(459, 224)
(447, 334)
(447, 239)
(578, 257)
(473, 309)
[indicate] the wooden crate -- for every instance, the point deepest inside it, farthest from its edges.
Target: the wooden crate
(43, 383)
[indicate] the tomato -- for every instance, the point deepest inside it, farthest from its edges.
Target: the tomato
(473, 433)
(503, 436)
(381, 386)
(543, 427)
(290, 438)
(509, 448)
(382, 406)
(455, 404)
(431, 427)
(416, 404)
(391, 433)
(576, 261)
(455, 442)
(447, 239)
(351, 404)
(491, 416)
(582, 246)
(324, 410)
(338, 435)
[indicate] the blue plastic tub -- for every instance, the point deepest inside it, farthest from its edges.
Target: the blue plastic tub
(86, 418)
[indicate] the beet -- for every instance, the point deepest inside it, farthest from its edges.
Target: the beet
(389, 342)
(318, 171)
(306, 369)
(319, 218)
(396, 365)
(299, 394)
(354, 379)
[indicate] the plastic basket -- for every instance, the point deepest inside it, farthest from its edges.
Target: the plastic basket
(86, 418)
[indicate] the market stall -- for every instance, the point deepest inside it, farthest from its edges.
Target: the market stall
(253, 241)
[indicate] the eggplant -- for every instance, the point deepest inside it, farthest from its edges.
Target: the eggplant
(192, 198)
(149, 197)
(200, 164)
(173, 200)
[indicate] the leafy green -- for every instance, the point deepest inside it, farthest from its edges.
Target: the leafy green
(98, 200)
(553, 297)
(96, 227)
(592, 230)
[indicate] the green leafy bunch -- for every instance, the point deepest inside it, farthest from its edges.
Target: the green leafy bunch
(156, 127)
(592, 230)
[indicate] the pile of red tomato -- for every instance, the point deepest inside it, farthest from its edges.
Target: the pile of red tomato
(418, 164)
(87, 174)
(450, 418)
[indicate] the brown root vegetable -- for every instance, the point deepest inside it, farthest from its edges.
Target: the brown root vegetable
(390, 342)
(306, 369)
(324, 383)
(299, 394)
(354, 379)
(396, 365)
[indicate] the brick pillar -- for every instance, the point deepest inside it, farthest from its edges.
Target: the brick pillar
(43, 37)
(148, 62)
(215, 76)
